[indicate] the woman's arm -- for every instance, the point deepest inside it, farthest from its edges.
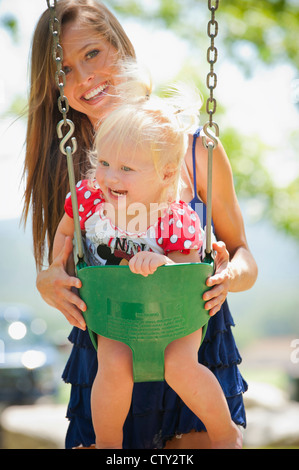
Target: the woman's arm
(241, 271)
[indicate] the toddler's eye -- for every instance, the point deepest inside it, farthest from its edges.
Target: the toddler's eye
(103, 163)
(126, 168)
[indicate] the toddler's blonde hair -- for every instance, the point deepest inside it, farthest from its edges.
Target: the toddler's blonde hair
(149, 123)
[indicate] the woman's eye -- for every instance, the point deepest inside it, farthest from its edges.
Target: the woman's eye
(92, 54)
(66, 69)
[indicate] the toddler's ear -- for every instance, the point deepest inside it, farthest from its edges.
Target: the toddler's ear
(169, 173)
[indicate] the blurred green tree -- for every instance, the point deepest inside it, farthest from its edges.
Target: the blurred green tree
(271, 26)
(9, 22)
(271, 30)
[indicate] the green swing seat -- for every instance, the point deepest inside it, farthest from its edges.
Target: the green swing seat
(146, 313)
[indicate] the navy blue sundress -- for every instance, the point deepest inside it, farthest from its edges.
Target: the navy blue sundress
(157, 413)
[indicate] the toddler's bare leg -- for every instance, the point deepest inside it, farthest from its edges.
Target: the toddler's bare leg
(111, 392)
(200, 390)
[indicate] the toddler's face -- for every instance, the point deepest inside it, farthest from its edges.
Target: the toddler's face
(129, 180)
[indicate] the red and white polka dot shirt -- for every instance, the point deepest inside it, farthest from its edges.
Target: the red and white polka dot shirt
(178, 229)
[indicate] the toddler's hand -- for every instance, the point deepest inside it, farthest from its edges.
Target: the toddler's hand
(146, 262)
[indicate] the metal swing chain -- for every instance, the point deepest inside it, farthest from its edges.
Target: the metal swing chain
(212, 55)
(62, 102)
(211, 105)
(63, 106)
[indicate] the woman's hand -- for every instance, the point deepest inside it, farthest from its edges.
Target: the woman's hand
(220, 281)
(55, 287)
(146, 262)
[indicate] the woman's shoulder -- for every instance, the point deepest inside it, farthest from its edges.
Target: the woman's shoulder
(196, 159)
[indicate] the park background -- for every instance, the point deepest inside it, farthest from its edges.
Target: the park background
(258, 114)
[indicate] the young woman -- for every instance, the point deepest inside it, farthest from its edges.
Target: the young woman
(92, 41)
(140, 147)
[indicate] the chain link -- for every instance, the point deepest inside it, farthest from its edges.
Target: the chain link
(62, 102)
(63, 106)
(212, 55)
(211, 129)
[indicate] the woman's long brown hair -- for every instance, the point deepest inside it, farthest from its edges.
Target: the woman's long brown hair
(45, 168)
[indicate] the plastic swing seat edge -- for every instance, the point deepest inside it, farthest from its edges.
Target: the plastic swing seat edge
(145, 313)
(82, 265)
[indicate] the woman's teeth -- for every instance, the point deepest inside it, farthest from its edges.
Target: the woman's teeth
(95, 91)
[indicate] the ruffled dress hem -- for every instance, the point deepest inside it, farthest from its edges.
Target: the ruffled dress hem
(157, 414)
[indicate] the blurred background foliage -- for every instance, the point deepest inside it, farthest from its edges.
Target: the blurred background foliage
(271, 26)
(269, 30)
(250, 33)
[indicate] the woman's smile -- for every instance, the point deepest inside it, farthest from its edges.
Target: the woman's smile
(96, 93)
